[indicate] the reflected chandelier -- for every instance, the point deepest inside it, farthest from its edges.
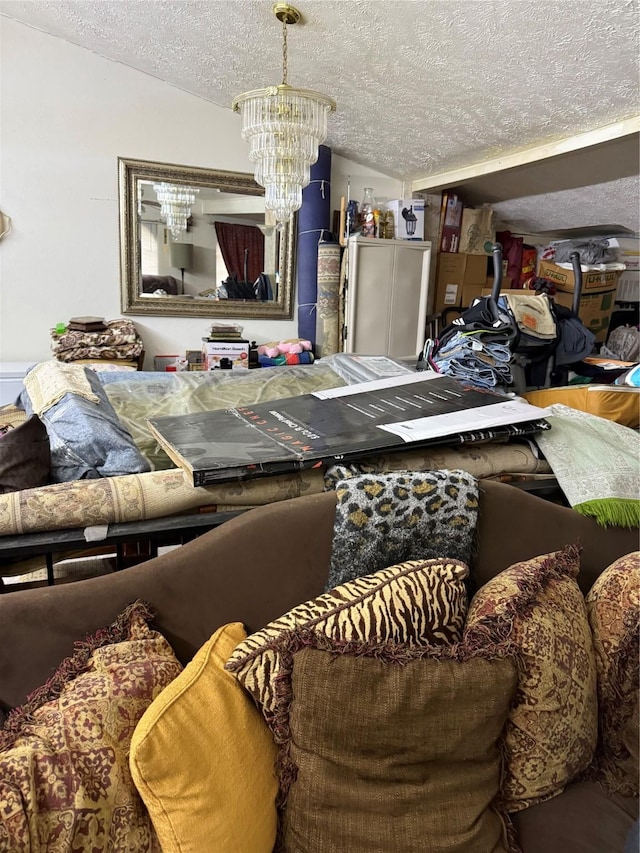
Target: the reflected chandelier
(175, 205)
(284, 127)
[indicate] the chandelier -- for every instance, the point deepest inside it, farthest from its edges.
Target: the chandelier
(284, 127)
(175, 205)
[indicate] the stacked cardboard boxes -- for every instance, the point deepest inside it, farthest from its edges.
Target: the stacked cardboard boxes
(597, 298)
(460, 277)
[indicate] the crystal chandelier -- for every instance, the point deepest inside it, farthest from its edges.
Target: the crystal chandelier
(284, 127)
(175, 205)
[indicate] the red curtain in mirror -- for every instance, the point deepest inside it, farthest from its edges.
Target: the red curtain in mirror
(240, 242)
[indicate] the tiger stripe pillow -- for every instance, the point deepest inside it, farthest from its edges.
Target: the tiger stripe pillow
(415, 603)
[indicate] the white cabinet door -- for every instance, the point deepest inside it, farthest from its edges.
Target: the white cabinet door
(386, 296)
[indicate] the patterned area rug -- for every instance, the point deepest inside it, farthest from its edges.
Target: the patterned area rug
(597, 464)
(385, 519)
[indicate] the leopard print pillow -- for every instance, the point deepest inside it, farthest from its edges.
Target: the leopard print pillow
(384, 519)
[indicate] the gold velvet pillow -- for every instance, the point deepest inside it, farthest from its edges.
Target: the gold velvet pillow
(388, 747)
(415, 602)
(203, 759)
(65, 783)
(613, 604)
(551, 732)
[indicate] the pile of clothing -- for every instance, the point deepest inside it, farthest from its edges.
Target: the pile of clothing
(119, 340)
(475, 347)
(484, 346)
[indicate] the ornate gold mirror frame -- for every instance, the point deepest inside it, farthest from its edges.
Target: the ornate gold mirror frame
(134, 175)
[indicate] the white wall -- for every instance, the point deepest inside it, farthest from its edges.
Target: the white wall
(66, 116)
(349, 179)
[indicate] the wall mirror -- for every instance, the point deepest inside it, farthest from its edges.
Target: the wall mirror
(229, 261)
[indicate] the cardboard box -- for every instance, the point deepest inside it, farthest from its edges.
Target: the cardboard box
(597, 298)
(401, 225)
(505, 284)
(459, 278)
(214, 351)
(592, 281)
(451, 212)
(161, 362)
(628, 286)
(595, 310)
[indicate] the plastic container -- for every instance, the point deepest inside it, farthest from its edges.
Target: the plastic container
(367, 220)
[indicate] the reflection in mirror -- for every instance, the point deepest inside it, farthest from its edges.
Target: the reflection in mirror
(230, 259)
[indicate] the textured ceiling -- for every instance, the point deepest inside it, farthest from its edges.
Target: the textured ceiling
(422, 86)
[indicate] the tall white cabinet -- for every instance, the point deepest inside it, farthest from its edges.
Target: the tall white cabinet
(386, 294)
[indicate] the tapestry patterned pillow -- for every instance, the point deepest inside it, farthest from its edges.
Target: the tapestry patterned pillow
(65, 783)
(551, 732)
(384, 746)
(415, 602)
(613, 605)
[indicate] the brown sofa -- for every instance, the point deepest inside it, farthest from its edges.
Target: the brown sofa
(260, 564)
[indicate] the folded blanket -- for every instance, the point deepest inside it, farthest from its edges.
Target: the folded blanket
(49, 381)
(124, 352)
(119, 340)
(385, 519)
(117, 333)
(596, 463)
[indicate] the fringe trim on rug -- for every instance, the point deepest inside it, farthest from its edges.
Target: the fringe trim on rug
(612, 512)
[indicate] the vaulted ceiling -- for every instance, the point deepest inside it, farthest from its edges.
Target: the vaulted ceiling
(424, 88)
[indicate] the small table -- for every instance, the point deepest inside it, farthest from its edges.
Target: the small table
(155, 532)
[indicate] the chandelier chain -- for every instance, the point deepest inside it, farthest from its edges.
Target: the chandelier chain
(285, 127)
(284, 52)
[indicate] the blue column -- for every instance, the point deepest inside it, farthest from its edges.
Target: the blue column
(313, 227)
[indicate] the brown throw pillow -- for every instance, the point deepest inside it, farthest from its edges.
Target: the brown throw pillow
(551, 732)
(613, 604)
(389, 747)
(25, 456)
(65, 782)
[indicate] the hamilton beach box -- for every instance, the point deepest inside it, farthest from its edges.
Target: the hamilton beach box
(236, 351)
